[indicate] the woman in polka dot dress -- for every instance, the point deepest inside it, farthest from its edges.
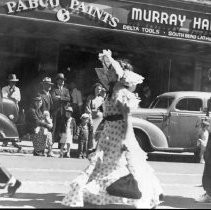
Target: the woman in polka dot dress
(110, 161)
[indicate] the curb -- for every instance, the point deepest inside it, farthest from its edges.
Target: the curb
(29, 151)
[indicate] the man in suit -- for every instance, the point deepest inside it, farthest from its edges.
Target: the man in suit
(11, 91)
(61, 98)
(47, 101)
(47, 105)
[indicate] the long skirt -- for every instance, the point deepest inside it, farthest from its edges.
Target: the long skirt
(39, 141)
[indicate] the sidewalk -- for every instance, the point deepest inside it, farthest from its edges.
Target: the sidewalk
(27, 148)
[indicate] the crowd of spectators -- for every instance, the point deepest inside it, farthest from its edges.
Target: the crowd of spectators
(58, 113)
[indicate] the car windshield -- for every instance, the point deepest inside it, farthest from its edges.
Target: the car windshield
(162, 102)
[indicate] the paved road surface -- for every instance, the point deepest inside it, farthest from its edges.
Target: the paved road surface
(45, 180)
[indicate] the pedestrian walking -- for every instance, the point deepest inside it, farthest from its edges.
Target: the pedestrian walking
(36, 125)
(7, 180)
(68, 131)
(11, 91)
(118, 172)
(84, 135)
(61, 98)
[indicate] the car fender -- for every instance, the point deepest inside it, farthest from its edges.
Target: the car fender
(8, 129)
(157, 138)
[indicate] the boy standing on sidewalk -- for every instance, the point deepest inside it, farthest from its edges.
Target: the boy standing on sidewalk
(84, 133)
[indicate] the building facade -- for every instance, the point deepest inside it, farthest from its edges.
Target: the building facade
(167, 41)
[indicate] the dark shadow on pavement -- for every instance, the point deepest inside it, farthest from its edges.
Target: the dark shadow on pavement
(183, 202)
(48, 200)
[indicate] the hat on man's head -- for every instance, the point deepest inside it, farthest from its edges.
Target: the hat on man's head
(37, 98)
(68, 109)
(60, 76)
(12, 78)
(47, 80)
(84, 116)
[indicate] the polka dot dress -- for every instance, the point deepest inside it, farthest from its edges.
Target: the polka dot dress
(107, 165)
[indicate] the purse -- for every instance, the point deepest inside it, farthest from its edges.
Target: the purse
(126, 187)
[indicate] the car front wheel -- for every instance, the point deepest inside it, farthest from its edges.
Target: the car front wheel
(143, 140)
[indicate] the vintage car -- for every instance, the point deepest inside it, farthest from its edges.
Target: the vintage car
(178, 116)
(8, 119)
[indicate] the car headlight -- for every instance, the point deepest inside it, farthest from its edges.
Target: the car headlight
(11, 117)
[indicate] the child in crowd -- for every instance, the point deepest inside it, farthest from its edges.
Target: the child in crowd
(68, 131)
(203, 138)
(84, 135)
(49, 138)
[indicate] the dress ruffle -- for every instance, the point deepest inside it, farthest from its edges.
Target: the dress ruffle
(124, 96)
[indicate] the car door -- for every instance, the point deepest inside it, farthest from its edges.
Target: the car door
(184, 116)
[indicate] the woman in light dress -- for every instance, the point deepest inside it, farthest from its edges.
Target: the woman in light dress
(118, 152)
(94, 107)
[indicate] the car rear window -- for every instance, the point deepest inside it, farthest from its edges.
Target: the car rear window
(162, 102)
(190, 104)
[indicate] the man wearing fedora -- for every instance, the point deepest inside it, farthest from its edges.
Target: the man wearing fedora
(61, 98)
(47, 101)
(47, 105)
(12, 92)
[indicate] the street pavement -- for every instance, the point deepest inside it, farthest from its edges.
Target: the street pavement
(45, 181)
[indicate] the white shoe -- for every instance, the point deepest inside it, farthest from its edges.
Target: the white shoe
(204, 199)
(202, 161)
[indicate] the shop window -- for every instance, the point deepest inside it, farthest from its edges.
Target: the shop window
(189, 104)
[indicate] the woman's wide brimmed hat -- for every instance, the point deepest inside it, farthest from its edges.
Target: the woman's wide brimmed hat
(122, 69)
(69, 109)
(12, 78)
(60, 76)
(47, 80)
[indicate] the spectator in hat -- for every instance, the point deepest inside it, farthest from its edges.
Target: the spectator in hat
(61, 98)
(84, 135)
(68, 131)
(11, 91)
(47, 102)
(36, 126)
(46, 108)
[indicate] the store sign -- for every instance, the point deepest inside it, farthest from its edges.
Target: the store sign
(64, 14)
(19, 6)
(169, 22)
(87, 9)
(126, 16)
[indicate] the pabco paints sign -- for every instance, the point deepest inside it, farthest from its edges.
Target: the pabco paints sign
(64, 14)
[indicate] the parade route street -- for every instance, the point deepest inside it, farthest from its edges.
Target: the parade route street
(46, 180)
